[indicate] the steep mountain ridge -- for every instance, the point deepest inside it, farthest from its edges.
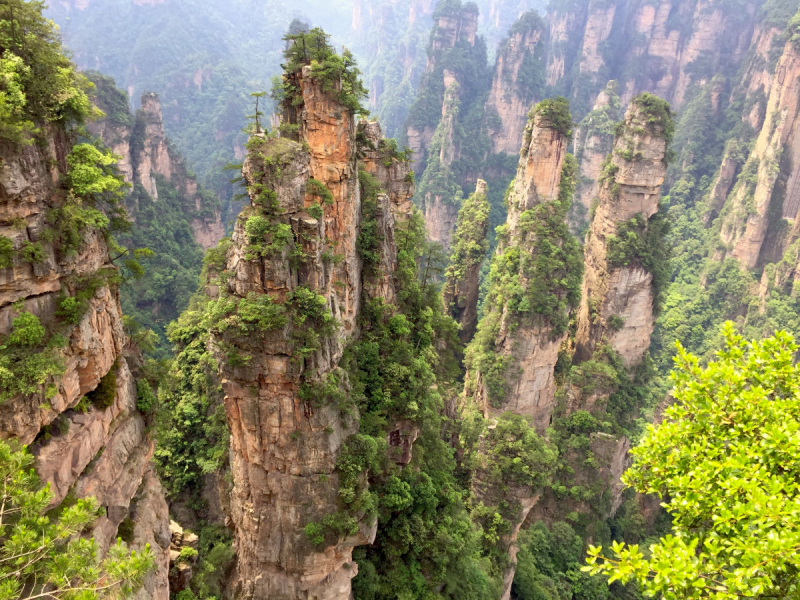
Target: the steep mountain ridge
(80, 414)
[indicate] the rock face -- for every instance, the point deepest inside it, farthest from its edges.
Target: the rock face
(511, 362)
(594, 139)
(746, 217)
(453, 26)
(436, 196)
(82, 449)
(618, 299)
(284, 446)
(462, 279)
(146, 153)
(519, 63)
(528, 346)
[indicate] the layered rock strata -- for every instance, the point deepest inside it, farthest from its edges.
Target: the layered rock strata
(594, 138)
(524, 342)
(82, 449)
(618, 298)
(511, 363)
(437, 201)
(453, 26)
(295, 249)
(746, 217)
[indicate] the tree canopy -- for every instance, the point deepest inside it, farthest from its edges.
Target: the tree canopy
(726, 462)
(42, 556)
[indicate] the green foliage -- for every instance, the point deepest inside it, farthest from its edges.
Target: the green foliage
(640, 243)
(336, 73)
(125, 531)
(105, 393)
(146, 399)
(213, 565)
(191, 428)
(556, 111)
(469, 243)
(46, 555)
(535, 274)
(369, 239)
(94, 194)
(793, 30)
(318, 189)
(658, 114)
(186, 555)
(38, 83)
(724, 457)
(549, 564)
(516, 454)
(6, 252)
(426, 544)
(29, 358)
(172, 273)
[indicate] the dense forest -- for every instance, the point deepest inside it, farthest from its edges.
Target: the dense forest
(404, 300)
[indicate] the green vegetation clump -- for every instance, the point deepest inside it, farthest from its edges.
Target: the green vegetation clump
(46, 555)
(537, 274)
(793, 30)
(658, 114)
(105, 393)
(724, 460)
(640, 242)
(191, 427)
(369, 239)
(38, 83)
(29, 358)
(312, 48)
(556, 111)
(469, 244)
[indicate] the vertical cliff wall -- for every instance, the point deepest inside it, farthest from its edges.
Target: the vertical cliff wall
(454, 33)
(534, 285)
(78, 414)
(518, 81)
(746, 217)
(146, 154)
(462, 278)
(439, 194)
(511, 362)
(316, 235)
(594, 138)
(283, 449)
(618, 297)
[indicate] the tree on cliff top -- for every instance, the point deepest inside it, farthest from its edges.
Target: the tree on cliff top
(38, 83)
(727, 459)
(45, 557)
(313, 48)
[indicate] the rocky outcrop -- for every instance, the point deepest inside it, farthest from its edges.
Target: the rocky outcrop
(517, 341)
(516, 83)
(455, 27)
(566, 25)
(594, 138)
(437, 199)
(746, 216)
(146, 153)
(462, 278)
(618, 297)
(82, 448)
(306, 207)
